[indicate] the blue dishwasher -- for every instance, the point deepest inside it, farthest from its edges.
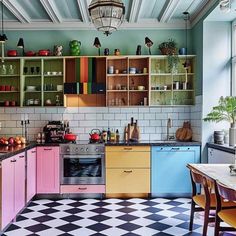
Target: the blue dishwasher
(169, 175)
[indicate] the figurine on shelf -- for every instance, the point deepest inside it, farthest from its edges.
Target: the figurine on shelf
(57, 50)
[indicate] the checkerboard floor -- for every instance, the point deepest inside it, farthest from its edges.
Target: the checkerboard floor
(108, 217)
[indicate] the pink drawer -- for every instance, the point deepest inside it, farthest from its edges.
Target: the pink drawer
(82, 188)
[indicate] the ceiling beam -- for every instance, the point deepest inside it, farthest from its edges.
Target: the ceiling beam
(51, 11)
(14, 8)
(135, 10)
(83, 7)
(168, 10)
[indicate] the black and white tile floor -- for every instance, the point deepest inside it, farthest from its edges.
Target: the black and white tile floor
(108, 217)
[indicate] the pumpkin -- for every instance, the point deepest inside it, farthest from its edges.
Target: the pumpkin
(185, 133)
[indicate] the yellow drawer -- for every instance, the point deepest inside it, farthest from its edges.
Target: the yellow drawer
(128, 148)
(127, 159)
(127, 180)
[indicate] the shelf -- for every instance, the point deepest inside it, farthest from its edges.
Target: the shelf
(117, 90)
(14, 75)
(53, 75)
(33, 76)
(112, 75)
(169, 74)
(53, 91)
(183, 90)
(9, 91)
(161, 90)
(32, 91)
(138, 90)
(141, 74)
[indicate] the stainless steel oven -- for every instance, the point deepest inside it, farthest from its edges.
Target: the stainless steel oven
(82, 164)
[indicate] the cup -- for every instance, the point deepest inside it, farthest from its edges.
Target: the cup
(165, 87)
(7, 88)
(184, 85)
(12, 103)
(118, 86)
(2, 87)
(145, 70)
(111, 69)
(117, 71)
(6, 103)
(182, 51)
(59, 87)
(13, 88)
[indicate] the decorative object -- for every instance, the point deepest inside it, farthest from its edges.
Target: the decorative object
(225, 111)
(168, 47)
(173, 61)
(117, 52)
(138, 50)
(75, 46)
(106, 51)
(3, 36)
(97, 44)
(182, 51)
(185, 133)
(148, 43)
(106, 15)
(20, 44)
(57, 50)
(225, 6)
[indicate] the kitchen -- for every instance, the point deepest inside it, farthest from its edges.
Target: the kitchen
(160, 111)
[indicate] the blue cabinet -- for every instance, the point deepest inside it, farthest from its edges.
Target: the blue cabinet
(169, 174)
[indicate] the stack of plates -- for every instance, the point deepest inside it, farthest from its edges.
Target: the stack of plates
(30, 88)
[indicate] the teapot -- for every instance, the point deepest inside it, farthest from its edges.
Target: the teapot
(75, 47)
(95, 135)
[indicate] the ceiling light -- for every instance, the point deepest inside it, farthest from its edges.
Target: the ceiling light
(97, 44)
(107, 15)
(225, 5)
(186, 64)
(148, 43)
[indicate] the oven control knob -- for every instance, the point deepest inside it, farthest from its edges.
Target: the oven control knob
(96, 149)
(68, 150)
(76, 149)
(81, 149)
(87, 149)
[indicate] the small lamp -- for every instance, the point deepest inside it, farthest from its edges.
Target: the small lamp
(97, 44)
(20, 44)
(148, 43)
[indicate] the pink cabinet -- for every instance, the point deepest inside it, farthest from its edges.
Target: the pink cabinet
(48, 170)
(31, 174)
(13, 187)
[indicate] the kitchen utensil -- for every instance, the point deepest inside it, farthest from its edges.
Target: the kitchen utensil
(12, 53)
(70, 137)
(95, 135)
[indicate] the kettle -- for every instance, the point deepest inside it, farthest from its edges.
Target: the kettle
(95, 135)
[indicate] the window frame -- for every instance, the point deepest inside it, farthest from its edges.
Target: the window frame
(233, 60)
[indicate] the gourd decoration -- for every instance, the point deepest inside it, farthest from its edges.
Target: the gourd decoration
(75, 47)
(185, 133)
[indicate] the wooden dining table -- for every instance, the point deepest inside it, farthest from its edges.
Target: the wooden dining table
(220, 172)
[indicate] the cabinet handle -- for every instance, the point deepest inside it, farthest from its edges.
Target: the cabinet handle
(13, 160)
(128, 171)
(128, 148)
(33, 152)
(175, 149)
(21, 156)
(84, 188)
(47, 149)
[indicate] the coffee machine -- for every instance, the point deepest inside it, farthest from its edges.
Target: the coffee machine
(54, 132)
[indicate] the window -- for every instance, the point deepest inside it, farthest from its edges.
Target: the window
(234, 58)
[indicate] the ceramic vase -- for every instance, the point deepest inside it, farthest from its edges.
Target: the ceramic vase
(232, 135)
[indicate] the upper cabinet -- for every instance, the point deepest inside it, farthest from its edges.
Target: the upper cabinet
(114, 81)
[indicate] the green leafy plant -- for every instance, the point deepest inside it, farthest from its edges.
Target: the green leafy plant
(173, 61)
(225, 111)
(168, 47)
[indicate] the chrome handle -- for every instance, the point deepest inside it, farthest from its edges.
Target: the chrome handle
(175, 149)
(128, 171)
(13, 160)
(33, 151)
(128, 148)
(82, 188)
(82, 156)
(47, 149)
(21, 156)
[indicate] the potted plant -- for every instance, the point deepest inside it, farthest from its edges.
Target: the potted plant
(225, 111)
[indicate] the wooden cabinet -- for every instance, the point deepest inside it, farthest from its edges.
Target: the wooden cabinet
(127, 171)
(48, 170)
(170, 176)
(12, 187)
(31, 174)
(175, 87)
(10, 83)
(127, 81)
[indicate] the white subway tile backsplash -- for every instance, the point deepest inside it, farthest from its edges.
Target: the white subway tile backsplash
(108, 116)
(41, 110)
(155, 123)
(46, 117)
(120, 117)
(51, 110)
(79, 116)
(68, 117)
(155, 110)
(149, 116)
(10, 124)
(58, 117)
(155, 136)
(90, 116)
(90, 123)
(71, 110)
(114, 123)
(144, 110)
(10, 110)
(113, 110)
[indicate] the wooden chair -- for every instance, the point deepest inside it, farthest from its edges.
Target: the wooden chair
(222, 214)
(204, 202)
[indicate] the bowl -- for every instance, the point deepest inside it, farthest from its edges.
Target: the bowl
(141, 87)
(12, 53)
(30, 88)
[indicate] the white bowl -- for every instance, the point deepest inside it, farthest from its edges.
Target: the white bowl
(30, 88)
(141, 87)
(54, 73)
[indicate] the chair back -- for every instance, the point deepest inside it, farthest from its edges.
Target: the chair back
(226, 192)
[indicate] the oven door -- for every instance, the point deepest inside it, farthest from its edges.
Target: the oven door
(82, 169)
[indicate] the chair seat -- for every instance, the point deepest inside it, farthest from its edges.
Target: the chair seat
(200, 201)
(228, 216)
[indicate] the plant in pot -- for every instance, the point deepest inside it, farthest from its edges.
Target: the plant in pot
(169, 48)
(225, 111)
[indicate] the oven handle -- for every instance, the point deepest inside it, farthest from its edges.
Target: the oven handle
(82, 156)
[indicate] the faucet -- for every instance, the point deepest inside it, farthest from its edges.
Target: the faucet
(168, 126)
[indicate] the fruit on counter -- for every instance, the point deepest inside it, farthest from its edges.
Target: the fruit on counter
(3, 141)
(12, 141)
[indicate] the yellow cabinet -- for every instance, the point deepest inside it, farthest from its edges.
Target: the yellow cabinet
(127, 171)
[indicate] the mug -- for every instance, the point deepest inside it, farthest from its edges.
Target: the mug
(12, 103)
(7, 88)
(2, 87)
(6, 103)
(13, 88)
(59, 87)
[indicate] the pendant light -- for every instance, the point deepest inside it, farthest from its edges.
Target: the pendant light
(20, 44)
(3, 36)
(107, 15)
(186, 64)
(148, 43)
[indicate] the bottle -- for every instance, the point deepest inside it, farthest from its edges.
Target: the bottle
(108, 135)
(104, 135)
(113, 136)
(117, 136)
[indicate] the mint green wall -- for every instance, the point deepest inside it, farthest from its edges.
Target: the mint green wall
(125, 40)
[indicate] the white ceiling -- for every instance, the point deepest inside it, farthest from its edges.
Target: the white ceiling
(73, 14)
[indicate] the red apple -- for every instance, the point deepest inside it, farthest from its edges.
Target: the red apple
(11, 140)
